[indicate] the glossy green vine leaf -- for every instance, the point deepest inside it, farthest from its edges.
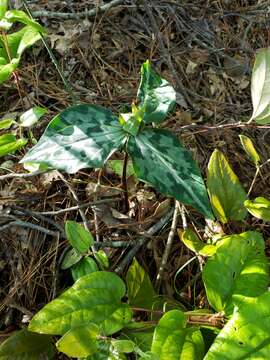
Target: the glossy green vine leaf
(191, 240)
(239, 267)
(9, 144)
(247, 333)
(26, 345)
(141, 333)
(79, 341)
(259, 207)
(116, 321)
(6, 123)
(174, 341)
(227, 195)
(123, 346)
(79, 238)
(159, 159)
(102, 259)
(156, 96)
(250, 149)
(85, 266)
(140, 290)
(79, 137)
(93, 298)
(260, 89)
(31, 116)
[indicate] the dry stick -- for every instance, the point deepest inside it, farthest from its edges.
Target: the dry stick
(166, 52)
(30, 226)
(97, 186)
(22, 175)
(79, 15)
(142, 240)
(167, 248)
(76, 207)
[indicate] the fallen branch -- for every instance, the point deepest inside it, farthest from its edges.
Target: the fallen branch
(78, 15)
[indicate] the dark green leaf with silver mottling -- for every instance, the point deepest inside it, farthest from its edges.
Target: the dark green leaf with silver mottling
(81, 136)
(160, 159)
(156, 96)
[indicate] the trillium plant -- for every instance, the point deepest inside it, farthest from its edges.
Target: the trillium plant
(85, 136)
(98, 317)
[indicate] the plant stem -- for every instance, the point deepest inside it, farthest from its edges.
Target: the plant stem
(124, 183)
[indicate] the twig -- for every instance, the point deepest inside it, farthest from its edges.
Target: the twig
(78, 15)
(142, 240)
(167, 248)
(76, 207)
(30, 226)
(124, 183)
(22, 175)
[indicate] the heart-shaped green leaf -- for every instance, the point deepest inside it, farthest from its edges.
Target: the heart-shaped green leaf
(156, 96)
(260, 89)
(239, 267)
(191, 240)
(24, 345)
(81, 136)
(79, 341)
(71, 258)
(247, 333)
(78, 237)
(259, 207)
(226, 193)
(159, 159)
(172, 340)
(85, 266)
(93, 298)
(139, 287)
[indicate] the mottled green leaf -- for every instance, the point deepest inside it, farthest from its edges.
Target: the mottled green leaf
(85, 266)
(250, 149)
(139, 287)
(93, 298)
(226, 193)
(25, 345)
(191, 240)
(79, 137)
(9, 144)
(239, 267)
(31, 116)
(79, 238)
(259, 207)
(174, 341)
(247, 333)
(79, 341)
(71, 258)
(260, 89)
(156, 96)
(159, 159)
